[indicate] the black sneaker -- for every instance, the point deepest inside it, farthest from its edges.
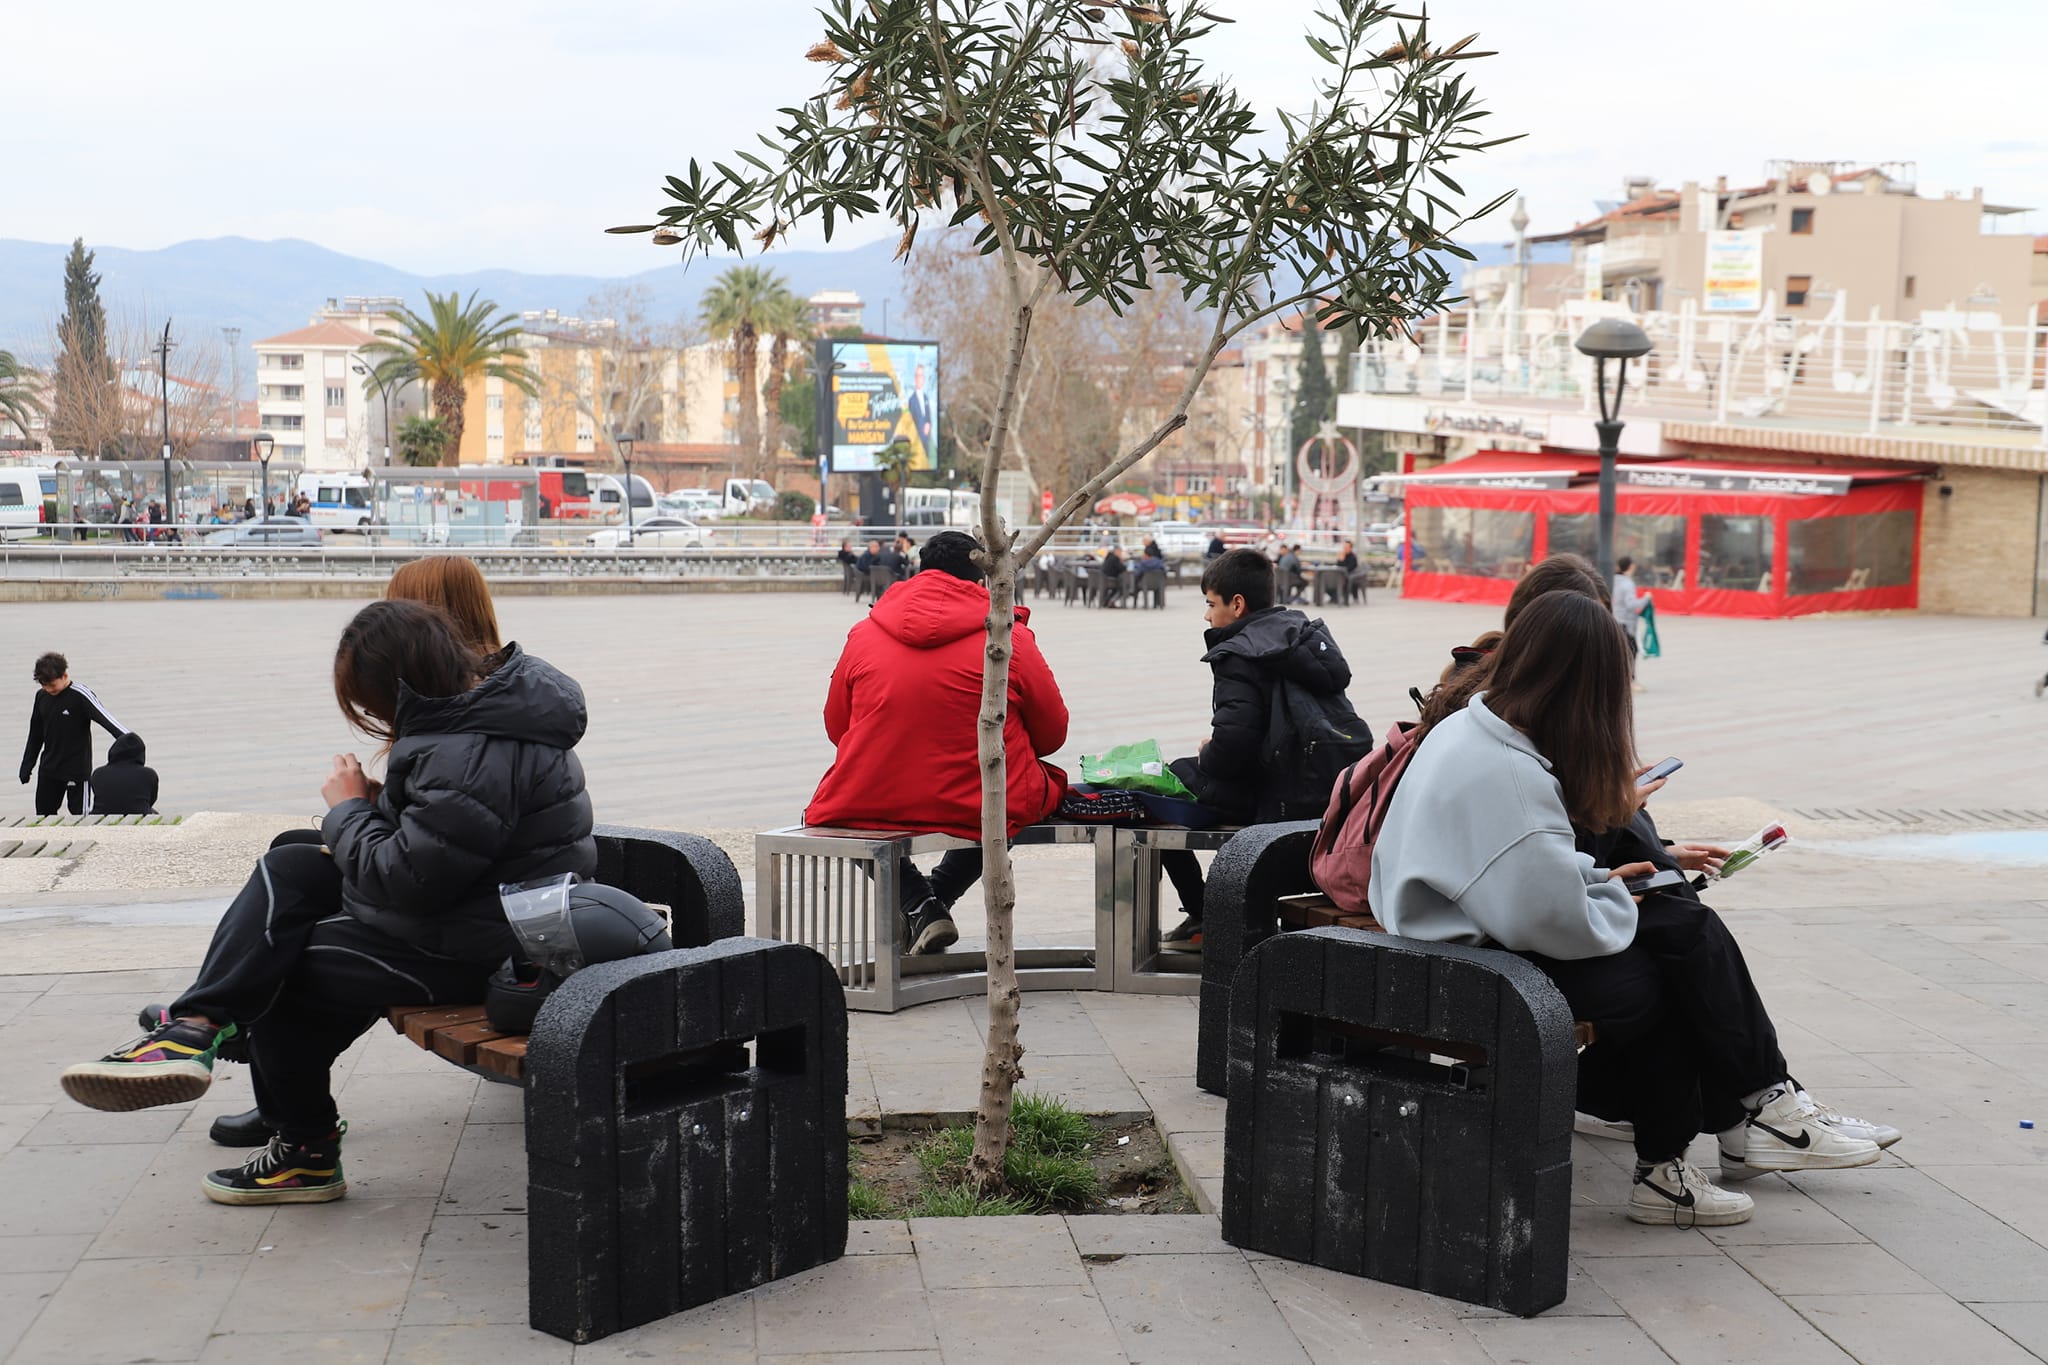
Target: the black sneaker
(284, 1172)
(931, 929)
(170, 1064)
(235, 1049)
(1185, 937)
(246, 1129)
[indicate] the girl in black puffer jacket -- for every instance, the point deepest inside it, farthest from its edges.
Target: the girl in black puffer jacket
(400, 907)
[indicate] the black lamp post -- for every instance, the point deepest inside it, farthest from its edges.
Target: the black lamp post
(369, 374)
(262, 443)
(1619, 341)
(625, 445)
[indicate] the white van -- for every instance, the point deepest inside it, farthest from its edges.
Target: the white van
(748, 495)
(607, 498)
(28, 501)
(341, 502)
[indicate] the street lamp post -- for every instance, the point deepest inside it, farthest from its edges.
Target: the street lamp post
(1619, 341)
(263, 443)
(369, 374)
(625, 445)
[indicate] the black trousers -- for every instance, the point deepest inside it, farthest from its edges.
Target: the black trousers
(55, 787)
(305, 979)
(1682, 1032)
(958, 869)
(1184, 870)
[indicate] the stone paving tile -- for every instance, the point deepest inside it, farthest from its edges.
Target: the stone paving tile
(1109, 1234)
(1032, 1326)
(472, 1270)
(138, 986)
(316, 1348)
(72, 1125)
(1962, 1249)
(878, 1237)
(1551, 1340)
(863, 1105)
(161, 1308)
(1345, 1320)
(13, 1003)
(849, 1357)
(332, 1267)
(995, 1253)
(1603, 1230)
(403, 1131)
(22, 1297)
(1706, 1310)
(1785, 1217)
(1053, 1024)
(1090, 1084)
(2025, 1323)
(497, 1103)
(1200, 1155)
(23, 1255)
(859, 1303)
(948, 1090)
(941, 1032)
(1908, 1329)
(34, 1050)
(167, 1208)
(1194, 1309)
(1179, 1107)
(1828, 1270)
(720, 1333)
(17, 1121)
(478, 1345)
(488, 1173)
(1582, 1299)
(59, 1190)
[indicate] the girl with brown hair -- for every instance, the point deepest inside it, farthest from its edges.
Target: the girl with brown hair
(455, 585)
(400, 907)
(1481, 846)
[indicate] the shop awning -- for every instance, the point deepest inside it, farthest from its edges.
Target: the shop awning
(1709, 475)
(1506, 469)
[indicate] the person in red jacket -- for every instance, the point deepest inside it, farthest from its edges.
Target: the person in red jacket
(905, 699)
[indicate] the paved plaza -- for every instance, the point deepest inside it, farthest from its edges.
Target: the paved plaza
(1901, 943)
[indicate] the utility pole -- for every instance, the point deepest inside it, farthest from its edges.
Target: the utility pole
(233, 337)
(163, 374)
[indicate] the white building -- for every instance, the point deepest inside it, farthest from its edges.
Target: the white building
(313, 388)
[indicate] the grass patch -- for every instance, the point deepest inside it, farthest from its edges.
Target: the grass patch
(1045, 1167)
(961, 1201)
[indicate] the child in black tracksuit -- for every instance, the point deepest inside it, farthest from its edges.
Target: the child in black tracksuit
(60, 733)
(1252, 646)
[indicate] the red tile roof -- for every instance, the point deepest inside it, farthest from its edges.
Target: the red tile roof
(321, 334)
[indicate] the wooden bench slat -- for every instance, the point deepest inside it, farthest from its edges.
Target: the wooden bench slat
(504, 1056)
(420, 1027)
(460, 1042)
(400, 1013)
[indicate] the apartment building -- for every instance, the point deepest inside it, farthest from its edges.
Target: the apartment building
(829, 309)
(314, 394)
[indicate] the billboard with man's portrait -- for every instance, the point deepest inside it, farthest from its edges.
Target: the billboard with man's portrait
(882, 392)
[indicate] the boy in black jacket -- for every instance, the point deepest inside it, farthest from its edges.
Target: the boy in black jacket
(1253, 646)
(60, 731)
(125, 784)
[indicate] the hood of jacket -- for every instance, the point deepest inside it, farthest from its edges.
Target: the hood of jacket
(933, 608)
(524, 699)
(1286, 643)
(127, 749)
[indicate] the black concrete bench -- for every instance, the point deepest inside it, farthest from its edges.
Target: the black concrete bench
(1402, 1111)
(1261, 865)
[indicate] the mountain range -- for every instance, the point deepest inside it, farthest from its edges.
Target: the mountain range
(265, 288)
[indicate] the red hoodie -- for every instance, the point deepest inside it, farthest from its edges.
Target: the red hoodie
(904, 702)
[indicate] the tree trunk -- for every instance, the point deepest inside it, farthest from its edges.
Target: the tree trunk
(450, 398)
(1002, 1061)
(771, 403)
(746, 363)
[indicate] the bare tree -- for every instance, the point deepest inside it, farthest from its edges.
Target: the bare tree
(634, 381)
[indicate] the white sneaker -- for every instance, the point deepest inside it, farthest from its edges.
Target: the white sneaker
(1883, 1134)
(1676, 1193)
(1786, 1134)
(1593, 1126)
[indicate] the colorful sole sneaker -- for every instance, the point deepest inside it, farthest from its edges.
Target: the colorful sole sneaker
(1785, 1134)
(1677, 1193)
(235, 1049)
(170, 1064)
(284, 1172)
(1185, 937)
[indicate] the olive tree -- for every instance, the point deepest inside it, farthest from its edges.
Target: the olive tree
(1092, 155)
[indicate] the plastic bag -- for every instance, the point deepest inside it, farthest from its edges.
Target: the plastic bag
(1134, 767)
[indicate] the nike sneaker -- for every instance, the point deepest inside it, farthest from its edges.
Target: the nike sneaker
(1786, 1133)
(1676, 1193)
(1883, 1134)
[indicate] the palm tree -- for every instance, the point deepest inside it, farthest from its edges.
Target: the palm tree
(783, 321)
(737, 305)
(18, 398)
(455, 343)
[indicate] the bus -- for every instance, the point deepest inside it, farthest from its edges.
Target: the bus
(941, 507)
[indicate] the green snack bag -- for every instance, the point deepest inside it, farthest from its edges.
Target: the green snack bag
(1134, 767)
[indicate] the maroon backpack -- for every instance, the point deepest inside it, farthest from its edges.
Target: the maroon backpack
(1341, 862)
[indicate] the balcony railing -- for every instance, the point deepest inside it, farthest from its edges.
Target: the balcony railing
(1949, 369)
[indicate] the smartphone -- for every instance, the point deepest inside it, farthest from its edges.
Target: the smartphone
(1663, 769)
(1656, 881)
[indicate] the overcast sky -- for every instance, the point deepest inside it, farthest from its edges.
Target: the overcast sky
(450, 134)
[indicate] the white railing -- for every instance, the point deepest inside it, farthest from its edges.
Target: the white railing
(1950, 368)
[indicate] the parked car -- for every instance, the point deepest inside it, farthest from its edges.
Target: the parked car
(693, 504)
(28, 501)
(267, 531)
(655, 533)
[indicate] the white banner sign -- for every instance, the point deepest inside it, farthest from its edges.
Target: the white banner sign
(1735, 272)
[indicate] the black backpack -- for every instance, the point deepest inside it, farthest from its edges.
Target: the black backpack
(1310, 740)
